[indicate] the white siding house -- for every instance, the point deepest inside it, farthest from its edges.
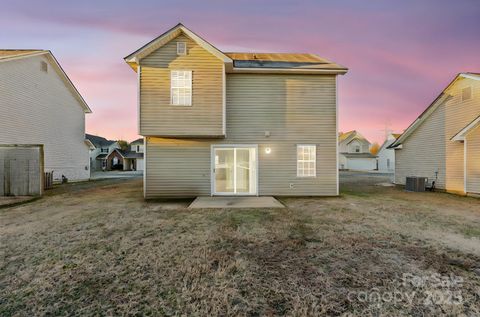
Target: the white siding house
(386, 156)
(40, 105)
(443, 142)
(100, 148)
(138, 147)
(354, 152)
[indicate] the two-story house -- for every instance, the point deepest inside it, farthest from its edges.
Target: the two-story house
(354, 152)
(130, 159)
(443, 143)
(217, 123)
(40, 105)
(100, 148)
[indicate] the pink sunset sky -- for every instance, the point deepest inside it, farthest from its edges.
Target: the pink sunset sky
(401, 54)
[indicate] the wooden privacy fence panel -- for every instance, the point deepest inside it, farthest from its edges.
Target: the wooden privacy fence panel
(21, 170)
(48, 180)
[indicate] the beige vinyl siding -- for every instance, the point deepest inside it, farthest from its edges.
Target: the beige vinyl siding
(205, 116)
(473, 162)
(459, 114)
(37, 108)
(423, 153)
(430, 146)
(295, 109)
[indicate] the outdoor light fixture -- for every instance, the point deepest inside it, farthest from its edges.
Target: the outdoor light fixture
(268, 150)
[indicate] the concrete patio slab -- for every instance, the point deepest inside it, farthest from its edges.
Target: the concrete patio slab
(236, 202)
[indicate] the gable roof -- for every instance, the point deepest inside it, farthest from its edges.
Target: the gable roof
(460, 136)
(128, 154)
(343, 136)
(139, 140)
(7, 55)
(444, 96)
(386, 144)
(350, 136)
(133, 58)
(242, 62)
(98, 141)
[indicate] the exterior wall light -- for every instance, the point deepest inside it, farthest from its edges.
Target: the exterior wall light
(268, 150)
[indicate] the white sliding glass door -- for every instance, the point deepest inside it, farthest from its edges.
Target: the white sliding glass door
(234, 170)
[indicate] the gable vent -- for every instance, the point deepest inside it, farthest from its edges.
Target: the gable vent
(44, 66)
(466, 93)
(181, 48)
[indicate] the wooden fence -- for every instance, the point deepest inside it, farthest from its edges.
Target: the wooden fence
(48, 180)
(21, 170)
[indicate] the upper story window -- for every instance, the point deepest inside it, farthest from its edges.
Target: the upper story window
(104, 150)
(181, 87)
(138, 148)
(306, 160)
(466, 93)
(181, 48)
(357, 148)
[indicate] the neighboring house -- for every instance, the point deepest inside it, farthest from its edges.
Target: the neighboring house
(99, 150)
(127, 160)
(386, 156)
(138, 146)
(219, 123)
(40, 105)
(443, 143)
(354, 152)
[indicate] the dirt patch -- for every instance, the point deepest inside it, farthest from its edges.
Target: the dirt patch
(10, 201)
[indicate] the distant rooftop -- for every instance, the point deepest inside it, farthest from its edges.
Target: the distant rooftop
(98, 141)
(139, 140)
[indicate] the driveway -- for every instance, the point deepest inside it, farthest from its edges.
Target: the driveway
(116, 174)
(98, 248)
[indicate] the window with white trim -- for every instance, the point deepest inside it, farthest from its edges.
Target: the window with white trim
(181, 87)
(306, 160)
(181, 48)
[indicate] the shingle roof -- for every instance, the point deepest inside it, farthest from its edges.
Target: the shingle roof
(139, 140)
(129, 154)
(351, 134)
(343, 136)
(98, 141)
(6, 53)
(243, 62)
(281, 60)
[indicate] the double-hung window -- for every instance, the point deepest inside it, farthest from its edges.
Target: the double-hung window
(306, 160)
(181, 87)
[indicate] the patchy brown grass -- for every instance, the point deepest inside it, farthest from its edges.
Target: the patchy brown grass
(98, 248)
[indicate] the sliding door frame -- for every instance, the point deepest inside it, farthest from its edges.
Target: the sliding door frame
(212, 168)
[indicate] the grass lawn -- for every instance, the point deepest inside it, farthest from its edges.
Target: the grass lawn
(98, 249)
